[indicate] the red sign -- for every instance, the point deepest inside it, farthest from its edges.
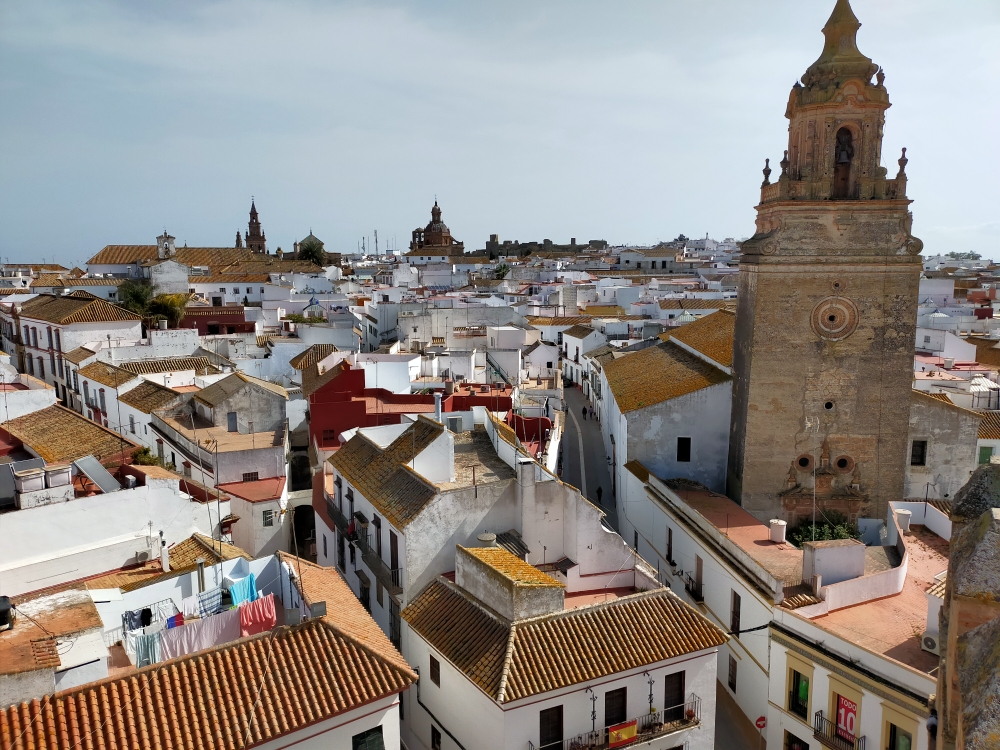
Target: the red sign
(761, 722)
(622, 734)
(847, 718)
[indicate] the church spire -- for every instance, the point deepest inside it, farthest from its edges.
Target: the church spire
(255, 239)
(841, 59)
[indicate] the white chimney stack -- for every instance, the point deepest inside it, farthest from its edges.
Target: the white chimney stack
(437, 406)
(164, 554)
(778, 528)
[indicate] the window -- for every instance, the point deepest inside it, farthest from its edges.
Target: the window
(635, 540)
(798, 695)
(378, 592)
(86, 393)
(435, 738)
(34, 337)
(49, 332)
(732, 673)
(41, 368)
(52, 362)
(673, 697)
(899, 739)
(249, 290)
(325, 553)
(251, 476)
(268, 518)
(548, 365)
(222, 289)
(985, 454)
(794, 743)
(366, 597)
(351, 547)
(61, 370)
(341, 552)
(27, 336)
(918, 453)
(734, 615)
(377, 526)
(350, 502)
(329, 437)
(30, 365)
(670, 545)
(131, 423)
(550, 728)
(683, 449)
(370, 739)
(262, 290)
(76, 382)
(236, 290)
(614, 707)
(435, 671)
(104, 404)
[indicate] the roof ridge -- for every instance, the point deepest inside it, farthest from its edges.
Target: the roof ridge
(597, 606)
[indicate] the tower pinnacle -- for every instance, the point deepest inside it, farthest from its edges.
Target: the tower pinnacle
(841, 59)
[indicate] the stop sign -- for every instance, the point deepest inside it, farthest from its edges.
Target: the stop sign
(761, 722)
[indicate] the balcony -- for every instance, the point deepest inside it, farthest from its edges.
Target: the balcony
(336, 516)
(694, 588)
(391, 578)
(648, 727)
(830, 736)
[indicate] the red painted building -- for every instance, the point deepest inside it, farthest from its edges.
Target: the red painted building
(212, 321)
(339, 401)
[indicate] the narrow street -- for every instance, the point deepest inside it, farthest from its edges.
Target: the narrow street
(582, 445)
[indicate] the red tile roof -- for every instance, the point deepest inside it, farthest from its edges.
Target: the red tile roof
(264, 687)
(258, 491)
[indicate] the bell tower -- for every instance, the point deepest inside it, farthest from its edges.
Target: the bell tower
(827, 305)
(256, 241)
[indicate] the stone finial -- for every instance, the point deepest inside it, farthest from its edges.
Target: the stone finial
(767, 173)
(784, 165)
(880, 76)
(903, 161)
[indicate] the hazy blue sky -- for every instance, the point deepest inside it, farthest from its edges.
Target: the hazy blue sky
(628, 121)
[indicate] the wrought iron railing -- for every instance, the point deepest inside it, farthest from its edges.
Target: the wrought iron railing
(828, 733)
(694, 588)
(336, 516)
(391, 578)
(648, 727)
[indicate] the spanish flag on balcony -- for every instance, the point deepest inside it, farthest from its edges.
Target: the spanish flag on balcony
(622, 734)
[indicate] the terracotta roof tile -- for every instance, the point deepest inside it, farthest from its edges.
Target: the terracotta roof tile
(58, 435)
(106, 374)
(564, 321)
(268, 685)
(578, 332)
(656, 374)
(512, 661)
(313, 354)
(120, 255)
(200, 365)
(382, 477)
(513, 568)
(78, 355)
(148, 396)
(711, 335)
(605, 311)
(989, 428)
(692, 304)
(78, 307)
(223, 389)
(314, 378)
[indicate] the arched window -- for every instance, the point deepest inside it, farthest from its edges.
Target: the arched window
(843, 157)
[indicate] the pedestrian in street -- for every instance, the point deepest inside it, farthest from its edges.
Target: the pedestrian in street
(600, 491)
(585, 414)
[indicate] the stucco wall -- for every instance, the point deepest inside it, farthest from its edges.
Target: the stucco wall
(951, 434)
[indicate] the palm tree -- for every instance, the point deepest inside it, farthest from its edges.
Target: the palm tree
(311, 248)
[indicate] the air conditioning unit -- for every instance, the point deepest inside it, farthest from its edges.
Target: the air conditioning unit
(929, 642)
(142, 556)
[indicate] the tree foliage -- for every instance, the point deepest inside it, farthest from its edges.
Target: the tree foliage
(964, 256)
(312, 249)
(169, 306)
(135, 295)
(829, 525)
(501, 271)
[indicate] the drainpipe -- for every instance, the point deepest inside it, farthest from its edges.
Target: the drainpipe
(429, 713)
(201, 574)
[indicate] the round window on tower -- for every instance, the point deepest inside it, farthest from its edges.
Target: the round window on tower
(844, 463)
(804, 462)
(834, 318)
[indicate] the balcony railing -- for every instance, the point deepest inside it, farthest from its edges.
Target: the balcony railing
(831, 736)
(391, 578)
(694, 588)
(648, 727)
(336, 516)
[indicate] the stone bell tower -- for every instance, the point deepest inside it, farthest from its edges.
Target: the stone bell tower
(827, 305)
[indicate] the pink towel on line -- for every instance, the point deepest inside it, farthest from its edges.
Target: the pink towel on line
(257, 616)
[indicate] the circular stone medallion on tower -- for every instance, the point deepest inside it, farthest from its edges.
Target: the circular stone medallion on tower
(834, 318)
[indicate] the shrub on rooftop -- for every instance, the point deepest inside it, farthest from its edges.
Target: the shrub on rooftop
(829, 525)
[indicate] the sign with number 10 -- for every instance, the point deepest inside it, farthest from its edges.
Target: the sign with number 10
(847, 718)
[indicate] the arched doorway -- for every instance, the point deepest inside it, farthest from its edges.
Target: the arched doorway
(303, 541)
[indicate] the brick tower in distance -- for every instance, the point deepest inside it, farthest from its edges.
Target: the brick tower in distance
(827, 305)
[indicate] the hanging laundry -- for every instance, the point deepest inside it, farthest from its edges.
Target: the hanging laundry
(131, 620)
(201, 634)
(189, 606)
(175, 621)
(258, 616)
(209, 602)
(244, 590)
(147, 649)
(155, 627)
(163, 610)
(146, 616)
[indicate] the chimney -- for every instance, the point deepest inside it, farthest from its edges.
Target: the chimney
(437, 406)
(200, 562)
(525, 469)
(487, 539)
(903, 520)
(162, 324)
(778, 530)
(949, 363)
(164, 554)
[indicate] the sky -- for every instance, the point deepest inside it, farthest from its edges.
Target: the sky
(631, 122)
